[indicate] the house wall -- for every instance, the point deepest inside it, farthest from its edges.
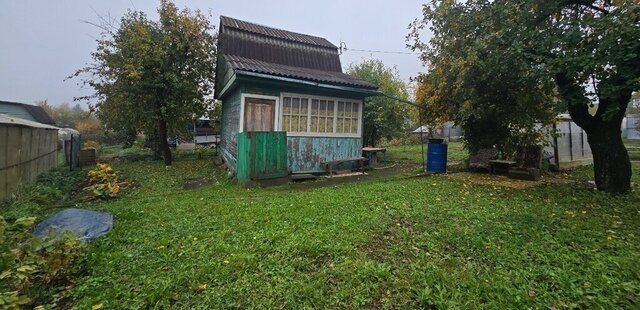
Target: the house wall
(304, 153)
(230, 127)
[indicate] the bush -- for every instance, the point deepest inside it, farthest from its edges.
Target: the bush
(202, 151)
(29, 265)
(91, 144)
(103, 182)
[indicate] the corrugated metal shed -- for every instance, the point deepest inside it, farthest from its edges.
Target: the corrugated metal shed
(26, 111)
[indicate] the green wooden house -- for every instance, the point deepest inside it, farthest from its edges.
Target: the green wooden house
(287, 107)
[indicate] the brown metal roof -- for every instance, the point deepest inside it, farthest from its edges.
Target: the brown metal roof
(250, 47)
(273, 45)
(229, 22)
(328, 77)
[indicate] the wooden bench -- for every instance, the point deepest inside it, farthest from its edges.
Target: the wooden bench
(330, 163)
(500, 165)
(481, 159)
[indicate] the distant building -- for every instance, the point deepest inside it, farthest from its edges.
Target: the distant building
(26, 111)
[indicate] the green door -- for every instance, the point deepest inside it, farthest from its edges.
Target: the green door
(262, 155)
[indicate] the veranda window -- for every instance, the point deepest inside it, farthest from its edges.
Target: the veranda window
(320, 116)
(295, 114)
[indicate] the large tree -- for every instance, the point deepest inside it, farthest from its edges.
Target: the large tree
(587, 48)
(383, 117)
(478, 79)
(153, 75)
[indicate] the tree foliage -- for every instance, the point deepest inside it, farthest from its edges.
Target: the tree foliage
(153, 76)
(585, 51)
(478, 79)
(383, 117)
(65, 115)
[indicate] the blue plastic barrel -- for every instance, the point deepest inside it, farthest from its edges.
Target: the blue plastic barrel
(437, 157)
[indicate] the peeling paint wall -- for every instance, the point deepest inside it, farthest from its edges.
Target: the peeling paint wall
(230, 127)
(306, 153)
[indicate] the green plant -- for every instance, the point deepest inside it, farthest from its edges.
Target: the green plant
(29, 265)
(103, 182)
(91, 144)
(202, 151)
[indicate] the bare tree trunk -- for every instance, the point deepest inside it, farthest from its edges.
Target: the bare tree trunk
(611, 165)
(164, 144)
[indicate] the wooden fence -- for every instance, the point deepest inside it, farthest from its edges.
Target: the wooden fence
(27, 149)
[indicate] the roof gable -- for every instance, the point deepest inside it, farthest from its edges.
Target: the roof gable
(246, 48)
(253, 41)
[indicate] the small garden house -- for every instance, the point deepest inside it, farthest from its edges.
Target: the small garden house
(287, 107)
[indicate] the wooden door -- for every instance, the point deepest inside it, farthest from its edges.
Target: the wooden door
(259, 114)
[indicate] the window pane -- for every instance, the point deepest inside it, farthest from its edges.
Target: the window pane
(340, 109)
(340, 125)
(323, 108)
(354, 125)
(330, 108)
(295, 105)
(285, 122)
(322, 124)
(314, 124)
(356, 109)
(302, 126)
(286, 105)
(314, 107)
(347, 109)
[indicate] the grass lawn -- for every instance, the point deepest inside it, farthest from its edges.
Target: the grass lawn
(413, 153)
(401, 241)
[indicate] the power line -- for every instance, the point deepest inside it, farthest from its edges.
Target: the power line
(344, 48)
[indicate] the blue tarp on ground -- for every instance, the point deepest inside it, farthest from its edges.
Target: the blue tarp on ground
(84, 223)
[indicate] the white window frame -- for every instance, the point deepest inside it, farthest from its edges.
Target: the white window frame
(335, 116)
(276, 118)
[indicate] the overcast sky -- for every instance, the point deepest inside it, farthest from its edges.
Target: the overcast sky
(44, 41)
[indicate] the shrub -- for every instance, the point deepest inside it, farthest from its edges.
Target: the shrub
(202, 151)
(91, 144)
(29, 265)
(103, 182)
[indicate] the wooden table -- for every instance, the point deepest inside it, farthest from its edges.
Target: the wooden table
(500, 165)
(371, 153)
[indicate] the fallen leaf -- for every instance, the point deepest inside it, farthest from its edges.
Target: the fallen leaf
(532, 293)
(96, 307)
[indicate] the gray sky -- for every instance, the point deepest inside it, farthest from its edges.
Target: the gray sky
(44, 41)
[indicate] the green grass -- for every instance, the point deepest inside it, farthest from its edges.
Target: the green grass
(413, 153)
(633, 148)
(428, 242)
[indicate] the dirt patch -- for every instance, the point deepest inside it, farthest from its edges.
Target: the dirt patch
(196, 183)
(504, 181)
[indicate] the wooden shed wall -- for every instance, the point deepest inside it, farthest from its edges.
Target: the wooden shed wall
(230, 128)
(25, 152)
(305, 153)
